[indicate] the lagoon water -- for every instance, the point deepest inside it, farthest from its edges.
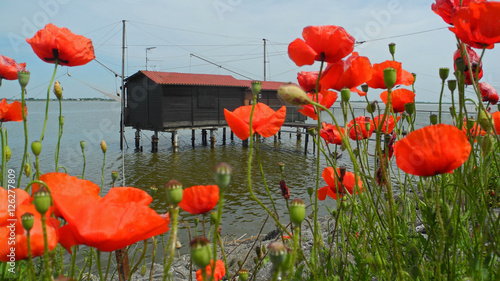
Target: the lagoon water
(93, 121)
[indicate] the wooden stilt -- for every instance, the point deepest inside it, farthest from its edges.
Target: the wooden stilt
(137, 138)
(175, 140)
(204, 137)
(212, 138)
(307, 142)
(223, 136)
(154, 142)
(193, 137)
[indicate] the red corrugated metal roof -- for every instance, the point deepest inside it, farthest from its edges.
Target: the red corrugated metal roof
(175, 78)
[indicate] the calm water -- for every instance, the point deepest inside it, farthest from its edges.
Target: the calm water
(96, 121)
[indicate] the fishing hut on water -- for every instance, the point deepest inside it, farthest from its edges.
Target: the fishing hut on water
(168, 102)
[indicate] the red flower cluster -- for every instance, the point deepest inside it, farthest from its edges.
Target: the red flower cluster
(339, 185)
(219, 272)
(377, 80)
(9, 68)
(399, 98)
(325, 98)
(330, 133)
(363, 129)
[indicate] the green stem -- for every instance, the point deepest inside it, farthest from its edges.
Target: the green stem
(46, 260)
(102, 172)
(441, 100)
(174, 213)
(134, 268)
(3, 133)
(30, 258)
(216, 232)
(48, 100)
(99, 269)
(59, 135)
(84, 163)
(296, 236)
(25, 124)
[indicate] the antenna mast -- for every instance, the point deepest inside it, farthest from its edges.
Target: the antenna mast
(264, 59)
(122, 121)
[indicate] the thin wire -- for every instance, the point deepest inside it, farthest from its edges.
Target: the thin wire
(401, 35)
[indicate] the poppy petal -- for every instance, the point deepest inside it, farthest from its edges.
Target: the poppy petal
(432, 150)
(301, 53)
(199, 199)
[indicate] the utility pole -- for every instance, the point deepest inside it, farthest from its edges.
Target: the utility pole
(264, 59)
(122, 122)
(147, 49)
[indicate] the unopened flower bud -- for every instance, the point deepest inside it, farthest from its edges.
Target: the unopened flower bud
(297, 211)
(390, 77)
(371, 107)
(345, 93)
(201, 252)
(256, 86)
(61, 120)
(143, 270)
(293, 94)
(342, 171)
(152, 190)
(243, 274)
(277, 253)
(36, 147)
(453, 111)
(443, 73)
(433, 118)
(214, 217)
(392, 48)
(23, 77)
(42, 200)
(460, 64)
(114, 176)
(282, 166)
(364, 88)
(28, 219)
(310, 191)
(410, 108)
(222, 175)
(452, 85)
(484, 121)
(82, 145)
(8, 153)
(27, 170)
(58, 90)
(414, 77)
(104, 147)
(174, 192)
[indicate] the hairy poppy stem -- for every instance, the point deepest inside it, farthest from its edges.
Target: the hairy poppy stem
(48, 99)
(61, 124)
(25, 124)
(46, 260)
(216, 233)
(30, 258)
(174, 214)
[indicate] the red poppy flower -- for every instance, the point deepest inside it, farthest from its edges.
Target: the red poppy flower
(108, 223)
(307, 80)
(399, 98)
(266, 122)
(432, 150)
(477, 25)
(474, 60)
(219, 272)
(199, 199)
(334, 188)
(11, 112)
(444, 8)
(364, 128)
(488, 93)
(328, 42)
(9, 68)
(330, 133)
(23, 205)
(53, 43)
(325, 98)
(388, 125)
(377, 81)
(348, 73)
(473, 128)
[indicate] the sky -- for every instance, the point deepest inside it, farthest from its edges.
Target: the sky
(182, 35)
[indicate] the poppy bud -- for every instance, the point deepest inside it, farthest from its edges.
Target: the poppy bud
(243, 274)
(58, 90)
(364, 88)
(390, 77)
(452, 85)
(392, 48)
(342, 171)
(8, 153)
(61, 120)
(285, 191)
(371, 107)
(256, 86)
(310, 191)
(433, 118)
(282, 166)
(222, 175)
(36, 147)
(414, 78)
(486, 144)
(152, 190)
(28, 220)
(27, 170)
(345, 93)
(24, 78)
(293, 95)
(297, 211)
(114, 176)
(460, 64)
(483, 120)
(143, 270)
(214, 217)
(174, 192)
(277, 253)
(104, 147)
(42, 200)
(311, 131)
(82, 145)
(201, 252)
(443, 73)
(410, 108)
